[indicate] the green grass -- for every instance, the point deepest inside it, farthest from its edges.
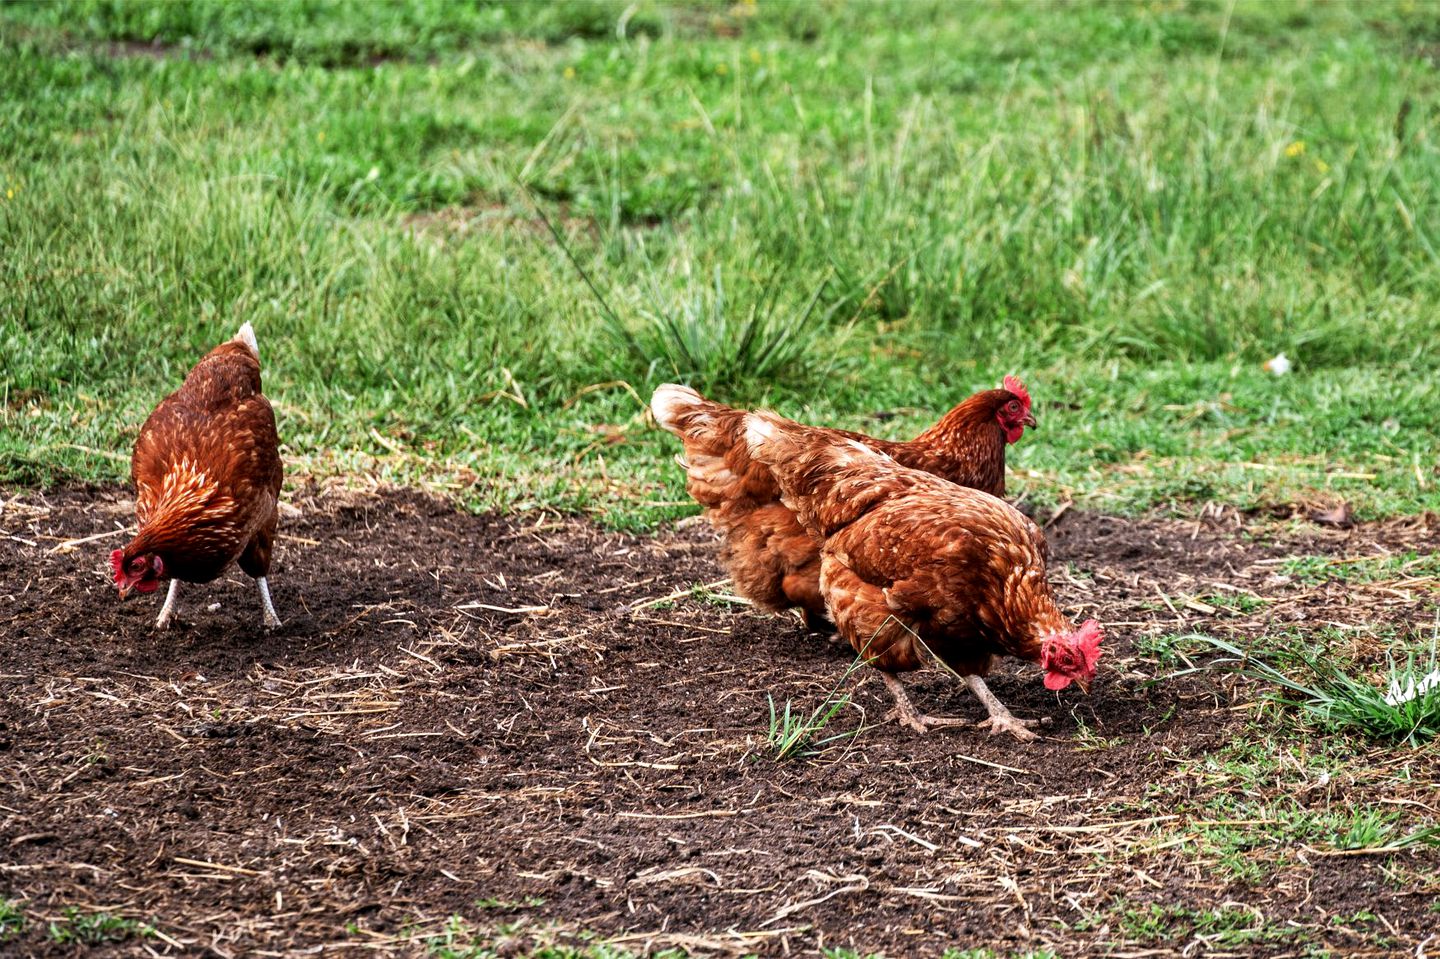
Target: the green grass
(1399, 705)
(1224, 927)
(837, 209)
(1313, 570)
(950, 954)
(1235, 602)
(1282, 791)
(91, 929)
(12, 919)
(794, 734)
(460, 939)
(529, 902)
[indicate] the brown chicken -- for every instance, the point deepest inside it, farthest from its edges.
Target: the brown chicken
(772, 561)
(207, 472)
(911, 564)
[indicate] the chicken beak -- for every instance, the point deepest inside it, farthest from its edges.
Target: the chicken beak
(1030, 421)
(124, 590)
(1084, 684)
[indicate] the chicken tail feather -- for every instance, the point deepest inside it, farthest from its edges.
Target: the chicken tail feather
(246, 335)
(768, 440)
(676, 406)
(706, 427)
(805, 462)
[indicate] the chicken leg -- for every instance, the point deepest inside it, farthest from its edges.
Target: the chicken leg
(906, 714)
(167, 611)
(1001, 719)
(271, 620)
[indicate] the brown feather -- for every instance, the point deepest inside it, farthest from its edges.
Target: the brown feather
(771, 559)
(207, 471)
(911, 562)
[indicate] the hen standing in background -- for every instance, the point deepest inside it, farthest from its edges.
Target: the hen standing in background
(911, 563)
(207, 473)
(771, 559)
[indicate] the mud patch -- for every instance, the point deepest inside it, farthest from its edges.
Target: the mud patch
(540, 725)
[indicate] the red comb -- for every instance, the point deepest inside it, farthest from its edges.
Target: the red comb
(117, 562)
(1088, 638)
(1013, 384)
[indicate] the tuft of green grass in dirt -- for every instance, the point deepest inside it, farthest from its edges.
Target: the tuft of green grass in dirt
(458, 938)
(991, 954)
(96, 928)
(529, 902)
(950, 954)
(12, 919)
(1402, 706)
(795, 734)
(1225, 927)
(856, 213)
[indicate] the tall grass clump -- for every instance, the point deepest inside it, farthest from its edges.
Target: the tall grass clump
(711, 337)
(795, 734)
(1406, 709)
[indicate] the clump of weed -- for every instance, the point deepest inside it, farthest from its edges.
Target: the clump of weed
(1088, 740)
(794, 734)
(1166, 648)
(704, 336)
(1225, 927)
(12, 919)
(461, 939)
(94, 928)
(490, 902)
(1406, 709)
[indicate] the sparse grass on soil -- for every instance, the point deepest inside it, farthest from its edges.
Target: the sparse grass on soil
(483, 735)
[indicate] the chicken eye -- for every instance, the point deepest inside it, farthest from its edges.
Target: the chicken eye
(137, 564)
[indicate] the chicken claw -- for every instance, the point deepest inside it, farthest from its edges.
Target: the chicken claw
(1001, 719)
(1019, 728)
(906, 714)
(923, 722)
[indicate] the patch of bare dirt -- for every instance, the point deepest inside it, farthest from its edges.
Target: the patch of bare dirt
(535, 723)
(481, 217)
(155, 49)
(457, 223)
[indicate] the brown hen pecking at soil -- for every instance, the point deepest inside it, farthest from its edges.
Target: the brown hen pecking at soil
(207, 473)
(911, 563)
(772, 561)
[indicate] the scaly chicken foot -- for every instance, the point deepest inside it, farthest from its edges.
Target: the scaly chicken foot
(271, 620)
(1001, 719)
(167, 611)
(906, 714)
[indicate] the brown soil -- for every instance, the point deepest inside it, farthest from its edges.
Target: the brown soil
(495, 718)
